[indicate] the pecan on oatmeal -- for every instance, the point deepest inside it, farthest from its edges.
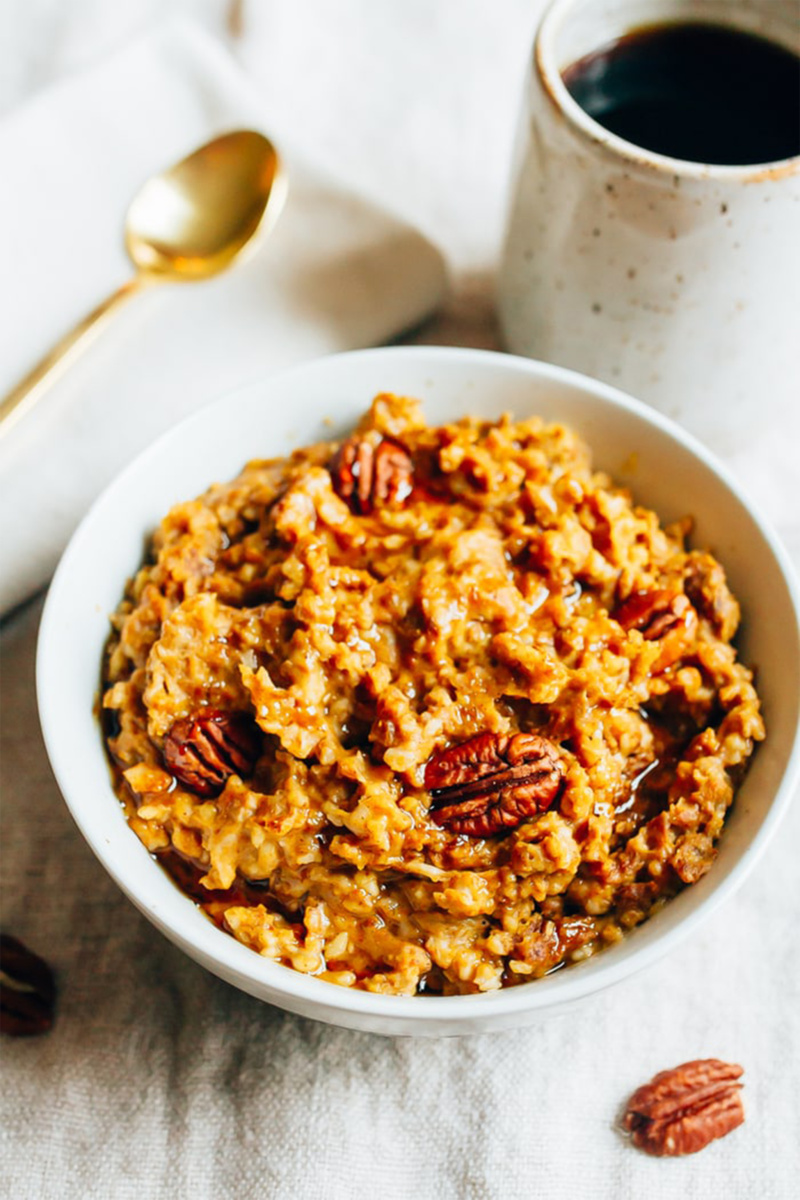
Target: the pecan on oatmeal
(436, 710)
(204, 750)
(665, 616)
(653, 613)
(681, 1110)
(493, 781)
(705, 585)
(367, 474)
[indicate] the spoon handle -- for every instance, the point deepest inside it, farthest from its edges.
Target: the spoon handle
(23, 397)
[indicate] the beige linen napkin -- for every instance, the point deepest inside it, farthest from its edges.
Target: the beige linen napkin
(335, 273)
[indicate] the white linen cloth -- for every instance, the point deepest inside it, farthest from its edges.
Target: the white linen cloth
(159, 1081)
(335, 273)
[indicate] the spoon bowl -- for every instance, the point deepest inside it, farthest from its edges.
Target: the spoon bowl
(188, 223)
(195, 218)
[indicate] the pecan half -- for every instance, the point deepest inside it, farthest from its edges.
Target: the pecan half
(493, 782)
(367, 476)
(682, 1110)
(27, 990)
(204, 750)
(665, 615)
(705, 584)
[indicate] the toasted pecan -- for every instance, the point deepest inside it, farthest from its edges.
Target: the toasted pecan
(493, 781)
(681, 1110)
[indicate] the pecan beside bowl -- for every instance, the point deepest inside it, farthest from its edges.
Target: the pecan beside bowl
(27, 990)
(683, 1110)
(496, 781)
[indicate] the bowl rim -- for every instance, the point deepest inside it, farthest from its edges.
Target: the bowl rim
(222, 954)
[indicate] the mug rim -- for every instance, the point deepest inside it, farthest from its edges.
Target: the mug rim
(544, 64)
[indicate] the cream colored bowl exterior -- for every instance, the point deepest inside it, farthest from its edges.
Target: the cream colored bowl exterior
(665, 469)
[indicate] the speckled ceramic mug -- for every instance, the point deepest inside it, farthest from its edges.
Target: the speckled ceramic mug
(676, 280)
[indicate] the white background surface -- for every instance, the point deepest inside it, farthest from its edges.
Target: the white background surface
(158, 1080)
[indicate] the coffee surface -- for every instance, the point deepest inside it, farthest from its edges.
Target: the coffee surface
(698, 92)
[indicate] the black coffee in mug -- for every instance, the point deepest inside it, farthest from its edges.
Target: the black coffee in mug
(698, 92)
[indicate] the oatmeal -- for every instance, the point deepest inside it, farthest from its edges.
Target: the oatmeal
(432, 710)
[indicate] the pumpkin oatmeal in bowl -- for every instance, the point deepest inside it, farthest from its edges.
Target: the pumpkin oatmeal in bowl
(429, 709)
(436, 716)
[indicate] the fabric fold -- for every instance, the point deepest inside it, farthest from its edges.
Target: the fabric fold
(337, 272)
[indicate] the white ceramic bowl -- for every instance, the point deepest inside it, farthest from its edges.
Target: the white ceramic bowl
(666, 470)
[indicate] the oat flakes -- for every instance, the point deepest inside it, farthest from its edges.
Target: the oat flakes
(488, 582)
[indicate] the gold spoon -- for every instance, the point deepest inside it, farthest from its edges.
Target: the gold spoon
(188, 223)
